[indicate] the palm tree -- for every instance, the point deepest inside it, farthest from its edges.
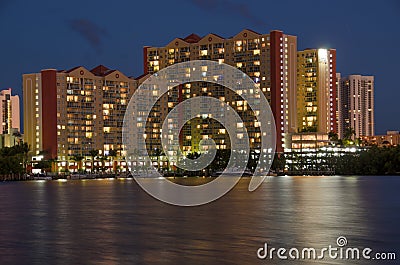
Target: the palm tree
(348, 133)
(133, 157)
(102, 160)
(158, 153)
(24, 149)
(78, 159)
(93, 153)
(279, 162)
(333, 136)
(113, 154)
(348, 136)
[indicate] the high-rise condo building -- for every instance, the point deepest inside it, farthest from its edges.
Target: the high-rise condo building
(9, 112)
(269, 59)
(356, 105)
(68, 113)
(9, 119)
(316, 91)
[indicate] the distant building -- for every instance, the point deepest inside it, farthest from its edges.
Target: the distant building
(316, 91)
(69, 113)
(9, 119)
(269, 59)
(356, 105)
(391, 138)
(9, 112)
(10, 140)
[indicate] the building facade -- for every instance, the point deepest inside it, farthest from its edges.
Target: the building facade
(69, 113)
(269, 59)
(9, 112)
(309, 141)
(391, 138)
(356, 105)
(9, 119)
(316, 91)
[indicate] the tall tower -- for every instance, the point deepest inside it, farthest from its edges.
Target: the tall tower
(316, 91)
(356, 105)
(9, 112)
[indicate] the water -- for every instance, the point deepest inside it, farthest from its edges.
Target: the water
(115, 222)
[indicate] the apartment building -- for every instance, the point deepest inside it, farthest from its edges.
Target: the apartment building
(356, 105)
(269, 59)
(9, 119)
(69, 113)
(316, 91)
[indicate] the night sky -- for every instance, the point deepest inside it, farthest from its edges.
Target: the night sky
(62, 34)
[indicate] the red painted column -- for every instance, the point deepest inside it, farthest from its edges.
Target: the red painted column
(49, 112)
(275, 66)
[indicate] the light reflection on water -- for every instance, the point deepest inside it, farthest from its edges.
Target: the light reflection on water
(115, 222)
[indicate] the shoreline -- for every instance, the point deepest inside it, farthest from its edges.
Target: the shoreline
(177, 179)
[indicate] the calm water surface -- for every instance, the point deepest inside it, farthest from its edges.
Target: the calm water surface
(115, 222)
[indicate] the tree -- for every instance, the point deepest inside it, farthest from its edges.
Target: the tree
(133, 158)
(348, 133)
(102, 159)
(279, 162)
(44, 165)
(13, 159)
(23, 149)
(78, 159)
(191, 156)
(333, 136)
(112, 154)
(157, 153)
(93, 153)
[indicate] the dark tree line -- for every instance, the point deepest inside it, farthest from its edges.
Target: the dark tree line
(374, 161)
(13, 159)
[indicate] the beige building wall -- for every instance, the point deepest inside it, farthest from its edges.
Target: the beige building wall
(32, 111)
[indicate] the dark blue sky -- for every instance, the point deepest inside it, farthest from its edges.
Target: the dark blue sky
(63, 34)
